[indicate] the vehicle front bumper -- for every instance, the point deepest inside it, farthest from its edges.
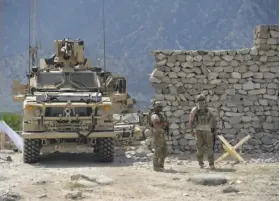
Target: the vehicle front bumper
(52, 135)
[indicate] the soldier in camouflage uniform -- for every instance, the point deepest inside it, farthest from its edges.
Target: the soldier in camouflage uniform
(203, 121)
(157, 122)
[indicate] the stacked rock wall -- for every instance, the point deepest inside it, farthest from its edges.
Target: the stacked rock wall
(241, 85)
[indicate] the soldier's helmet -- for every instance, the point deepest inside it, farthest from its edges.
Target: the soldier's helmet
(157, 105)
(201, 102)
(200, 97)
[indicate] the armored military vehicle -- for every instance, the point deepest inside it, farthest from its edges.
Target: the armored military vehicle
(109, 83)
(68, 102)
(127, 126)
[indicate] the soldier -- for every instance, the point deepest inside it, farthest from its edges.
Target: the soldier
(157, 123)
(203, 120)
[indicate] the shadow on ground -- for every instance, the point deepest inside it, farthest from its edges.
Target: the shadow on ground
(175, 171)
(70, 160)
(224, 170)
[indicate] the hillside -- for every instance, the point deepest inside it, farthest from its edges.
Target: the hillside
(133, 29)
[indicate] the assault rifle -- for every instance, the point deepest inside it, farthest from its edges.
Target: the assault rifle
(166, 128)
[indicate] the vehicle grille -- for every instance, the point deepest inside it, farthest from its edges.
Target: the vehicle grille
(56, 111)
(66, 126)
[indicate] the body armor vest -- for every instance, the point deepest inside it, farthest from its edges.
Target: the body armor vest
(203, 120)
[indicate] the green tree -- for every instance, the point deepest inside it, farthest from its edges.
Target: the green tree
(13, 120)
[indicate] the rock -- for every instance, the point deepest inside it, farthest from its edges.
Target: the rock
(268, 75)
(161, 56)
(173, 75)
(254, 51)
(76, 177)
(266, 140)
(274, 34)
(182, 74)
(248, 85)
(6, 195)
(230, 189)
(40, 182)
(268, 125)
(209, 179)
(247, 74)
(83, 184)
(104, 180)
(246, 118)
(74, 195)
(263, 102)
(42, 196)
(174, 126)
(270, 53)
(236, 75)
(234, 120)
(158, 74)
(227, 57)
(178, 113)
(212, 75)
(9, 159)
(140, 152)
(183, 142)
(272, 41)
(233, 114)
(227, 125)
(154, 80)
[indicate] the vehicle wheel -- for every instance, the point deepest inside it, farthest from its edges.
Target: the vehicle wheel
(105, 150)
(31, 150)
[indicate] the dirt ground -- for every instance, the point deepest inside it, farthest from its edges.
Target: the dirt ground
(75, 177)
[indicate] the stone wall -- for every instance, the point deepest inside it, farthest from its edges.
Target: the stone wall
(241, 85)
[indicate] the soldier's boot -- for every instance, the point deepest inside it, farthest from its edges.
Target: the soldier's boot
(161, 162)
(158, 169)
(201, 165)
(211, 166)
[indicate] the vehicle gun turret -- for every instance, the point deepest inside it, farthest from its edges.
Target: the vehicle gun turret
(67, 54)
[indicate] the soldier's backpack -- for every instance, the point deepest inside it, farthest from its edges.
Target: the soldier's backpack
(203, 120)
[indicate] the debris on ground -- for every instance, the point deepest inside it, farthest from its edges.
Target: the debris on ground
(85, 180)
(135, 179)
(40, 182)
(230, 189)
(7, 195)
(8, 158)
(74, 195)
(42, 196)
(209, 179)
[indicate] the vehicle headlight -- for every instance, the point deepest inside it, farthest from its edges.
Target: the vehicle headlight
(36, 111)
(103, 110)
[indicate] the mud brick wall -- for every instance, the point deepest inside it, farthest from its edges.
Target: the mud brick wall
(241, 85)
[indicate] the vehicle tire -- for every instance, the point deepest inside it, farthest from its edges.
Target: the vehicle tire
(105, 150)
(31, 150)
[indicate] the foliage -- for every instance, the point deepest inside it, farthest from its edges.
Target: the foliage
(12, 119)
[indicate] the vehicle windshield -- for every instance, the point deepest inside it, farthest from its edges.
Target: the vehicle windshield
(127, 118)
(76, 80)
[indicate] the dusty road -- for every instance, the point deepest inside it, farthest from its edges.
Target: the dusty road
(70, 177)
